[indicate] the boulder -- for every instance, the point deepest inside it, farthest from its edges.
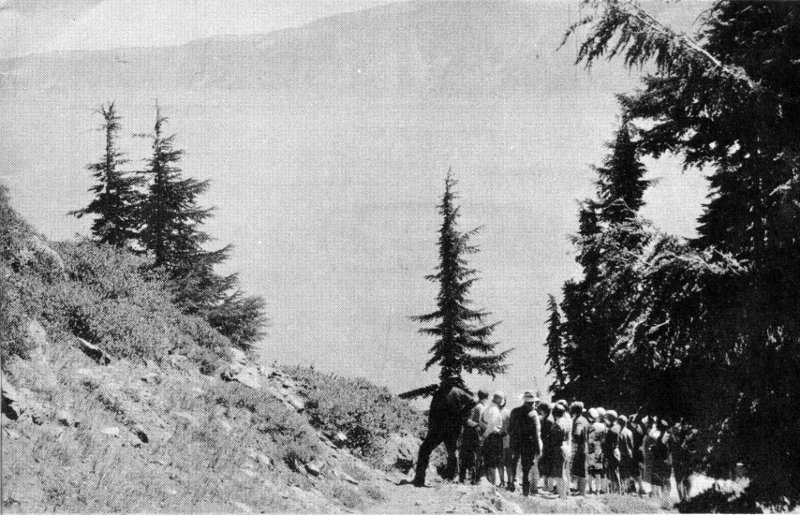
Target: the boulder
(65, 418)
(238, 357)
(339, 439)
(93, 351)
(296, 402)
(110, 431)
(248, 376)
(12, 434)
(12, 402)
(36, 338)
(314, 468)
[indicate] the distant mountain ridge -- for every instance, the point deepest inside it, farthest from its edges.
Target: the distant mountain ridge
(414, 48)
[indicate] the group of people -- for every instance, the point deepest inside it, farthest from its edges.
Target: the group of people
(557, 445)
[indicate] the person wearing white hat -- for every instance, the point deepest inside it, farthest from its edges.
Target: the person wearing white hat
(526, 443)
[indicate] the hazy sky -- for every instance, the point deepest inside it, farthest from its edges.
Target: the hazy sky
(44, 25)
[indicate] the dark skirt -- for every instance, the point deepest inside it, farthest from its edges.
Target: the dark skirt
(661, 473)
(579, 464)
(493, 451)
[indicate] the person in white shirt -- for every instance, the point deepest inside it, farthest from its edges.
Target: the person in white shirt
(492, 437)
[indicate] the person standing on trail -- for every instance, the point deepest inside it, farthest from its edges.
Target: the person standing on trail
(626, 460)
(505, 468)
(638, 430)
(595, 437)
(546, 459)
(450, 407)
(580, 426)
(561, 436)
(471, 441)
(492, 437)
(662, 468)
(526, 443)
(611, 452)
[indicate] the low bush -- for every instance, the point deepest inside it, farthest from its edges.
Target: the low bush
(294, 438)
(363, 411)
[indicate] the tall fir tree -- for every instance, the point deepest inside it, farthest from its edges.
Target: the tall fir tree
(596, 306)
(116, 197)
(554, 344)
(462, 336)
(171, 227)
(720, 314)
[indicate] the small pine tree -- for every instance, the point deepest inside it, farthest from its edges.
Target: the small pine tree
(462, 337)
(116, 197)
(554, 344)
(621, 185)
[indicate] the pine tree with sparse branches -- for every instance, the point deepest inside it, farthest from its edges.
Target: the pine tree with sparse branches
(462, 336)
(116, 197)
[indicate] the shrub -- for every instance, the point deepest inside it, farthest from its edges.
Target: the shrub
(364, 412)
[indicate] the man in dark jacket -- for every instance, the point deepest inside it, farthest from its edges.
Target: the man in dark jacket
(449, 410)
(526, 443)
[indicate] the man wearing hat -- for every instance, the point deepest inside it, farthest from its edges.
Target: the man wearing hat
(449, 409)
(471, 440)
(548, 451)
(526, 443)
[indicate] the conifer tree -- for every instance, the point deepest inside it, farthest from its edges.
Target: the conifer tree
(172, 220)
(621, 185)
(172, 233)
(554, 343)
(462, 338)
(116, 197)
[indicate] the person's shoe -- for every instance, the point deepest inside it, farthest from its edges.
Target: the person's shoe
(525, 490)
(511, 487)
(418, 483)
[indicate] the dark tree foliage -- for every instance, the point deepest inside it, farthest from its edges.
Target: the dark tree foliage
(462, 338)
(621, 185)
(116, 196)
(609, 241)
(717, 317)
(554, 344)
(172, 233)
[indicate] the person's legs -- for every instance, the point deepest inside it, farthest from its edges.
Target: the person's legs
(527, 463)
(512, 467)
(451, 444)
(432, 440)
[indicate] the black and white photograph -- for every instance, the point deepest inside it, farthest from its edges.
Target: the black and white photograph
(400, 256)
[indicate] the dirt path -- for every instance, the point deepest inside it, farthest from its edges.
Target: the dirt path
(444, 497)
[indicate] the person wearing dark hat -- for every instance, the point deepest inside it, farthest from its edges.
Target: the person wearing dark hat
(450, 406)
(526, 443)
(561, 435)
(662, 468)
(638, 430)
(546, 459)
(580, 426)
(471, 441)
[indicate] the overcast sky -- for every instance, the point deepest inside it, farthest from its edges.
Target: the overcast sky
(44, 25)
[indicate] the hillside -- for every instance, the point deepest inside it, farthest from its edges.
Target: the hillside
(407, 49)
(109, 406)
